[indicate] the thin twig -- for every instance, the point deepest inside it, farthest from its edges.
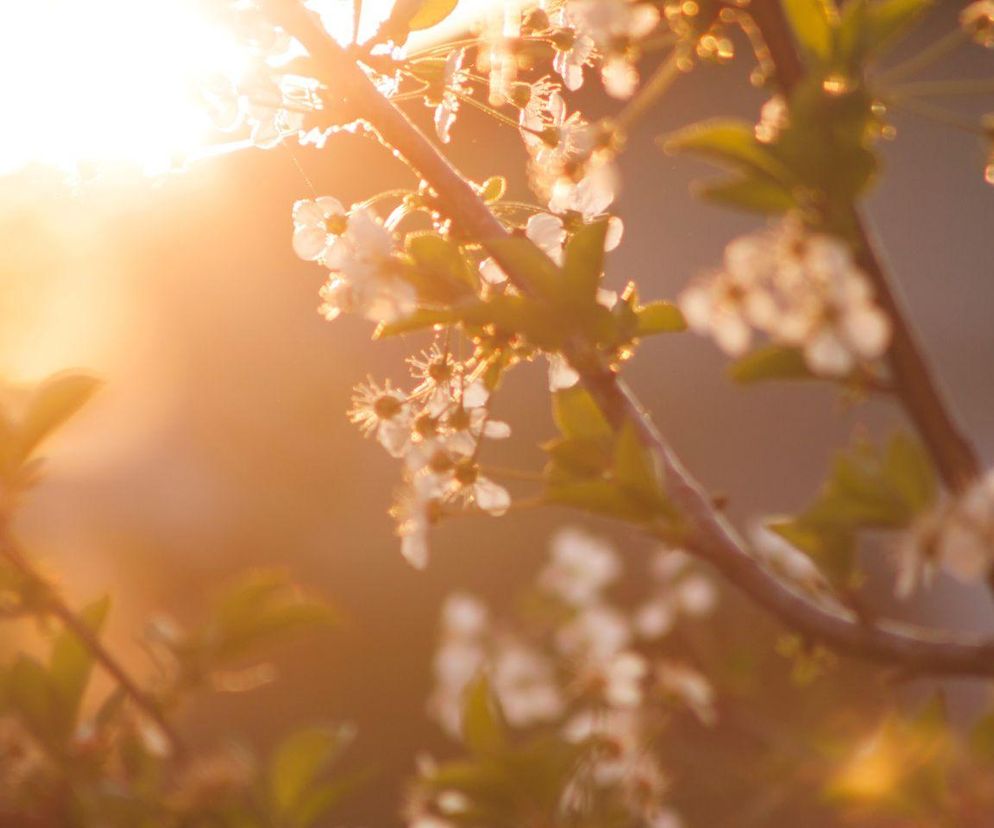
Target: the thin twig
(916, 387)
(708, 533)
(72, 622)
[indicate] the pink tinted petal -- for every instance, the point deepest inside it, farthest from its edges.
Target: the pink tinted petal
(491, 497)
(309, 242)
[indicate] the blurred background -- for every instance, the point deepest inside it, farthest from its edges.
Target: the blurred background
(220, 439)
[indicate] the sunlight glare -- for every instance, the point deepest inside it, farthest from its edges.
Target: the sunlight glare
(113, 81)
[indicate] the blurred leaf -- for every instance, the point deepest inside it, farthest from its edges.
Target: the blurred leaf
(773, 362)
(482, 729)
(910, 470)
(759, 195)
(29, 690)
(53, 402)
(729, 143)
(583, 262)
(869, 28)
(261, 605)
(71, 663)
(659, 317)
(635, 469)
(867, 489)
(578, 457)
(296, 768)
(601, 497)
(812, 22)
(577, 415)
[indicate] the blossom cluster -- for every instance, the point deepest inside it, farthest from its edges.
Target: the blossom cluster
(585, 673)
(799, 288)
(957, 534)
(361, 255)
(436, 429)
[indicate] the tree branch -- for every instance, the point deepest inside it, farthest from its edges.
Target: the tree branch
(709, 535)
(72, 622)
(915, 384)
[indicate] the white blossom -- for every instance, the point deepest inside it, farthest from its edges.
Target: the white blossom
(801, 289)
(582, 566)
(525, 683)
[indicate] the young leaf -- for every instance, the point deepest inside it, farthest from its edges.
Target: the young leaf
(869, 28)
(298, 764)
(493, 189)
(773, 362)
(419, 320)
(261, 605)
(812, 22)
(52, 403)
(71, 662)
(909, 467)
(635, 468)
(758, 195)
(729, 143)
(524, 256)
(28, 688)
(584, 262)
(442, 274)
(577, 415)
(482, 729)
(659, 317)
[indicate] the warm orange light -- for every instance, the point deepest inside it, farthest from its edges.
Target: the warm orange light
(106, 80)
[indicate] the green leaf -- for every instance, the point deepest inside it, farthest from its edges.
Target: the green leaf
(583, 262)
(635, 468)
(71, 663)
(773, 362)
(659, 317)
(522, 255)
(431, 13)
(812, 22)
(869, 28)
(729, 143)
(30, 691)
(482, 728)
(419, 320)
(868, 489)
(578, 458)
(297, 766)
(53, 402)
(261, 605)
(909, 468)
(442, 273)
(577, 415)
(758, 195)
(493, 189)
(597, 496)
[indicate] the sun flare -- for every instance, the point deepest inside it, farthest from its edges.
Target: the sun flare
(115, 81)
